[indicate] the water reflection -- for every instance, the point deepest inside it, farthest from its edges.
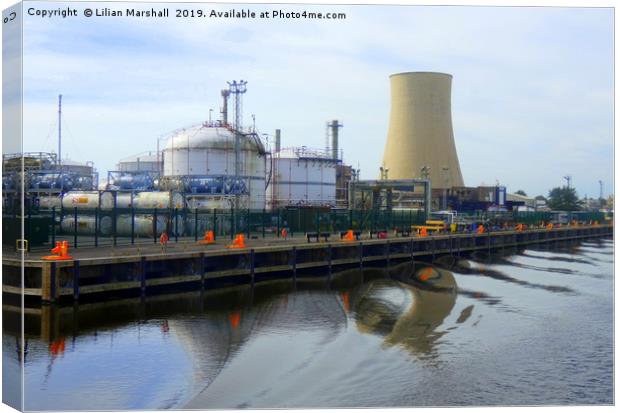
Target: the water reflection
(280, 339)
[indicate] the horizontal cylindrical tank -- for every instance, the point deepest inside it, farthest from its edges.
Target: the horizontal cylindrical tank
(49, 202)
(143, 225)
(48, 181)
(124, 199)
(205, 223)
(211, 202)
(159, 200)
(85, 225)
(88, 200)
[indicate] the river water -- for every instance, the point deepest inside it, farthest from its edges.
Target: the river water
(528, 327)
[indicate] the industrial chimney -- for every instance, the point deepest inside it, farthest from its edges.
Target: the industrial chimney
(224, 111)
(277, 140)
(334, 125)
(420, 130)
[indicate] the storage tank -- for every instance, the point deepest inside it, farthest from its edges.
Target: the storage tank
(145, 161)
(86, 225)
(203, 157)
(301, 176)
(209, 202)
(124, 199)
(420, 129)
(50, 201)
(143, 225)
(159, 200)
(88, 200)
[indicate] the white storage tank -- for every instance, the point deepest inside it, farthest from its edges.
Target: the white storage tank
(206, 155)
(49, 202)
(143, 225)
(145, 161)
(88, 200)
(209, 202)
(152, 200)
(301, 176)
(86, 225)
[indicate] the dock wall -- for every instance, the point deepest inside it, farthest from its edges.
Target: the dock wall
(140, 274)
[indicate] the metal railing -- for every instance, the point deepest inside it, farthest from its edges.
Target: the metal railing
(130, 226)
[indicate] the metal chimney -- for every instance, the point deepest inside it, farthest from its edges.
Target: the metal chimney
(420, 129)
(334, 126)
(277, 140)
(224, 111)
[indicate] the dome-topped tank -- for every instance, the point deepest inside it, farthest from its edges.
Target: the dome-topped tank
(201, 158)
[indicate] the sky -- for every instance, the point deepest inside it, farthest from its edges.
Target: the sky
(532, 90)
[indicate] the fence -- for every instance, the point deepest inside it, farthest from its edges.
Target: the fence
(129, 226)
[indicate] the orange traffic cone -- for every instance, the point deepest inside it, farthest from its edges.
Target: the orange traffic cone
(209, 238)
(284, 233)
(349, 235)
(423, 232)
(480, 229)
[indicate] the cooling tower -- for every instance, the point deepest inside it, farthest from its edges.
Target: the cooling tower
(420, 130)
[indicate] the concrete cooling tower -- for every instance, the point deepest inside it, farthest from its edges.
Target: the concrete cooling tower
(420, 130)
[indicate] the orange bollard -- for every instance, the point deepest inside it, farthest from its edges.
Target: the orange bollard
(163, 241)
(209, 238)
(56, 249)
(238, 242)
(61, 250)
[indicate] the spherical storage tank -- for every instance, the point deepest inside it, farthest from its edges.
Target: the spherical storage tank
(204, 158)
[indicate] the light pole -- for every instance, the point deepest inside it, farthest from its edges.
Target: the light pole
(210, 111)
(446, 180)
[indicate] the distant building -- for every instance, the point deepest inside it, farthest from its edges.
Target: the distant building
(528, 204)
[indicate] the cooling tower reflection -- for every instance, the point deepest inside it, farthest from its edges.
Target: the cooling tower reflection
(407, 307)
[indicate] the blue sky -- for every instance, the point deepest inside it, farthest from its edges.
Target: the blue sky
(532, 96)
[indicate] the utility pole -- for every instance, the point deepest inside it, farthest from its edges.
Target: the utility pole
(59, 127)
(600, 195)
(446, 181)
